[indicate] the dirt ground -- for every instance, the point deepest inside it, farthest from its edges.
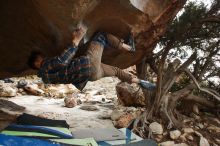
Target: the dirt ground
(103, 108)
(77, 118)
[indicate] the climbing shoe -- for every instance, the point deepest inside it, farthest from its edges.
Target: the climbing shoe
(100, 37)
(131, 43)
(147, 85)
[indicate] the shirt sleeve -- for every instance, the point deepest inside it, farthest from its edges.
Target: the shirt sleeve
(67, 55)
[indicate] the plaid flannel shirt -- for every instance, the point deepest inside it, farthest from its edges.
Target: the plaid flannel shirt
(64, 69)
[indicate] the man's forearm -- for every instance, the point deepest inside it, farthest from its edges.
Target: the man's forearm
(66, 56)
(71, 51)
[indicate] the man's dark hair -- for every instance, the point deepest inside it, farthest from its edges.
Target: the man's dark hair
(33, 57)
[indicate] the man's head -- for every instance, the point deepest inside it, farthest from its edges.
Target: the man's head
(35, 60)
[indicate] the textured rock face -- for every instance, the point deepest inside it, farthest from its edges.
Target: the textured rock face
(130, 95)
(46, 25)
(9, 111)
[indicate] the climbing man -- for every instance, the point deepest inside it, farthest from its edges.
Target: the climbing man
(65, 69)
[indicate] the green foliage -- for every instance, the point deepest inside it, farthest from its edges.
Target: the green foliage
(178, 30)
(194, 31)
(188, 29)
(190, 32)
(181, 83)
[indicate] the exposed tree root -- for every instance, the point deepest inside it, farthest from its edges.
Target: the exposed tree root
(162, 105)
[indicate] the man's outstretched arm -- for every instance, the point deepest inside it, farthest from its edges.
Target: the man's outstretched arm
(68, 54)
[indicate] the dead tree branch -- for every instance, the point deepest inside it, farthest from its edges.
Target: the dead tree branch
(200, 100)
(216, 96)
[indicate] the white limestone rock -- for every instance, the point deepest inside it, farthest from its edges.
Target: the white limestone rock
(175, 134)
(181, 144)
(7, 91)
(33, 89)
(214, 128)
(189, 137)
(156, 128)
(198, 134)
(188, 130)
(70, 102)
(167, 143)
(203, 142)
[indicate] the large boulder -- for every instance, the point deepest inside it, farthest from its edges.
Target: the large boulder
(46, 25)
(130, 95)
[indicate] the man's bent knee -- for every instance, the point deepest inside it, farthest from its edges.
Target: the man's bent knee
(95, 52)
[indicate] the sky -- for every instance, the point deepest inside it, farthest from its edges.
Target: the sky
(216, 80)
(206, 2)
